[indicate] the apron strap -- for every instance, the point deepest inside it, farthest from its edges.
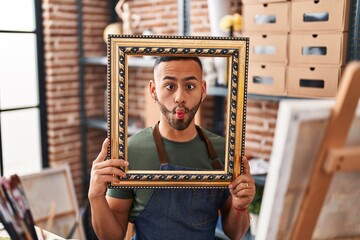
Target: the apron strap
(215, 162)
(160, 145)
(163, 155)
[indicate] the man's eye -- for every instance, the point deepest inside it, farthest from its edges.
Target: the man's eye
(169, 87)
(190, 86)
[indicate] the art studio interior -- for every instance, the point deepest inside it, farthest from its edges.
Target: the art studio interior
(298, 91)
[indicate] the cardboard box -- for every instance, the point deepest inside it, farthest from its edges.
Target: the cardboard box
(266, 17)
(262, 1)
(268, 47)
(320, 15)
(316, 81)
(317, 48)
(266, 79)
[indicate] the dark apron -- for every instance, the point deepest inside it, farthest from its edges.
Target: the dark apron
(180, 213)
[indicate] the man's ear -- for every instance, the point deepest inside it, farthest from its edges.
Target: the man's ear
(152, 89)
(203, 87)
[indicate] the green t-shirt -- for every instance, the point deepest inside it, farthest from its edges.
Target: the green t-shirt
(142, 155)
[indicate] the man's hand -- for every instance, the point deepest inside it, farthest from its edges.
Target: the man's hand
(103, 172)
(243, 188)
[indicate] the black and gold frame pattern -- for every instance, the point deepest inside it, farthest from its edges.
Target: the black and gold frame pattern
(234, 49)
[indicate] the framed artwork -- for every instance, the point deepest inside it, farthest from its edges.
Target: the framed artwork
(124, 49)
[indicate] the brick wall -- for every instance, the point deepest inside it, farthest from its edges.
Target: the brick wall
(62, 79)
(260, 126)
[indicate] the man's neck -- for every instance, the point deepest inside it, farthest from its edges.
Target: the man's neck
(172, 134)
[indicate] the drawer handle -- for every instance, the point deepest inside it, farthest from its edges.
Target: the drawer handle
(265, 19)
(316, 17)
(266, 80)
(314, 50)
(265, 50)
(312, 83)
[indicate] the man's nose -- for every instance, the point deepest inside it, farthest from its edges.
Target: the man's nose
(180, 96)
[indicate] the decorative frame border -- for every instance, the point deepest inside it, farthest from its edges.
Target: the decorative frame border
(235, 49)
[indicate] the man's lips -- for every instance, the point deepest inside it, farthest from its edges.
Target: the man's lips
(180, 113)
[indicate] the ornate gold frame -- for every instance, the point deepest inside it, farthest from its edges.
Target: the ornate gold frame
(235, 49)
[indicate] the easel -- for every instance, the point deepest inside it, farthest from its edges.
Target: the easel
(332, 156)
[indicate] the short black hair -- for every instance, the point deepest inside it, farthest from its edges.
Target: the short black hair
(174, 58)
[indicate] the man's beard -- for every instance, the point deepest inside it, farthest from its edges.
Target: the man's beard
(178, 124)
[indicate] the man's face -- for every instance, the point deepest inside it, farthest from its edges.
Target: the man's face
(179, 91)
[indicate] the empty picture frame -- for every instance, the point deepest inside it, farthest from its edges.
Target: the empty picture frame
(121, 48)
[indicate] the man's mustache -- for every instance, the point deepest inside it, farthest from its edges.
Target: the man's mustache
(187, 110)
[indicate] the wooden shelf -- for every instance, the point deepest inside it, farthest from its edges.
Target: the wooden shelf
(216, 91)
(142, 62)
(97, 123)
(133, 62)
(270, 97)
(101, 124)
(100, 60)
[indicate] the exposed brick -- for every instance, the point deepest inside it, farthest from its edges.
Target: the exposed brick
(62, 79)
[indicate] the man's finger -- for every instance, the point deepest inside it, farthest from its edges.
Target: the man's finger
(246, 166)
(118, 163)
(104, 150)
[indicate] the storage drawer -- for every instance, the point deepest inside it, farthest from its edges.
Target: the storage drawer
(317, 81)
(262, 1)
(267, 79)
(268, 47)
(318, 48)
(327, 15)
(266, 17)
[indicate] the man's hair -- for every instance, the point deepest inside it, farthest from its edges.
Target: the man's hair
(174, 58)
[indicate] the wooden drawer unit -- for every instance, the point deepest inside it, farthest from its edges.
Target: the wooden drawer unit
(267, 79)
(270, 48)
(318, 48)
(317, 81)
(261, 1)
(323, 15)
(266, 17)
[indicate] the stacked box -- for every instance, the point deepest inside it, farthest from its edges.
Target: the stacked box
(317, 47)
(267, 25)
(294, 45)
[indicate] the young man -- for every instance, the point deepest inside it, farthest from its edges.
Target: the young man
(178, 89)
